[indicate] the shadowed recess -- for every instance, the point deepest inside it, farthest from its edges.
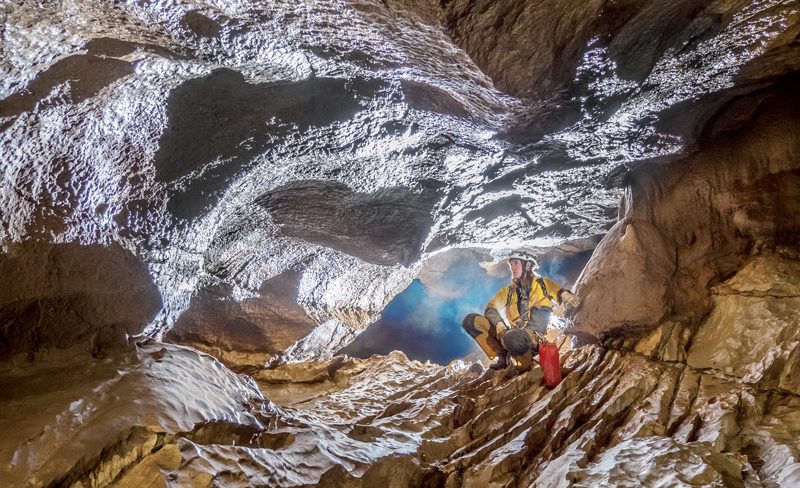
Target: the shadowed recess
(201, 25)
(430, 98)
(222, 117)
(59, 295)
(108, 46)
(386, 227)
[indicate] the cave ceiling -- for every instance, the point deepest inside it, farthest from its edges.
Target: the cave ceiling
(228, 143)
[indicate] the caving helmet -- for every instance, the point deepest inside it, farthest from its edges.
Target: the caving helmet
(524, 255)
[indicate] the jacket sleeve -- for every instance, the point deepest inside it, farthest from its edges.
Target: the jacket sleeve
(554, 290)
(495, 305)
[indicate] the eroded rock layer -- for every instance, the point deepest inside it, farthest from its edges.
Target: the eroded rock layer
(259, 181)
(347, 141)
(245, 333)
(688, 224)
(663, 410)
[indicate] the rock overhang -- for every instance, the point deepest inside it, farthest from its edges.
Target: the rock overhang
(482, 165)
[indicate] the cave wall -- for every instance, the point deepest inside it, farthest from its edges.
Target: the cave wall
(224, 145)
(532, 49)
(693, 294)
(691, 223)
(59, 296)
(504, 36)
(248, 332)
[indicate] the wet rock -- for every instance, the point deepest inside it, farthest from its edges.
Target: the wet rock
(668, 342)
(287, 106)
(425, 97)
(501, 37)
(305, 372)
(638, 462)
(128, 451)
(706, 230)
(55, 296)
(84, 75)
(228, 104)
(201, 25)
(756, 313)
(106, 417)
(104, 47)
(222, 116)
(248, 332)
(772, 445)
(617, 418)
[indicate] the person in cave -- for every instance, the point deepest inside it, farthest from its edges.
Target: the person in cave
(527, 304)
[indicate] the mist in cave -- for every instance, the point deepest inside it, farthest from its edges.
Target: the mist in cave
(424, 321)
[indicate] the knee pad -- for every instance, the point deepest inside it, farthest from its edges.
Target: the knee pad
(475, 324)
(517, 342)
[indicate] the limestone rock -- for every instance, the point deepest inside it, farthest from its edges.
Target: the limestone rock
(198, 151)
(245, 333)
(642, 462)
(106, 416)
(228, 144)
(514, 41)
(616, 418)
(752, 331)
(63, 295)
(706, 231)
(626, 282)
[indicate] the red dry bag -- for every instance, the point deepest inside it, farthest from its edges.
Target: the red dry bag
(548, 359)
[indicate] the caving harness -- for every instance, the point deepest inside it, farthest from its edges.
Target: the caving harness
(548, 351)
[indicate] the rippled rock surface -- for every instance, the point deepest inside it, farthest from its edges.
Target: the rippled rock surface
(624, 415)
(224, 145)
(258, 179)
(107, 415)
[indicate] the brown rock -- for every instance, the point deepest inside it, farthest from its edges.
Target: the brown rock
(700, 233)
(752, 331)
(503, 36)
(247, 333)
(61, 295)
(626, 282)
(85, 74)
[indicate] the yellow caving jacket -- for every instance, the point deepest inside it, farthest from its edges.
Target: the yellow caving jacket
(507, 299)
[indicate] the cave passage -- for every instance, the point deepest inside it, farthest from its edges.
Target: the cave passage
(424, 321)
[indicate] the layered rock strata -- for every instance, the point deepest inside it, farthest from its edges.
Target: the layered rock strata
(686, 225)
(716, 410)
(626, 414)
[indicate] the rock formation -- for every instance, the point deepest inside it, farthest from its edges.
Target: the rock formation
(257, 180)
